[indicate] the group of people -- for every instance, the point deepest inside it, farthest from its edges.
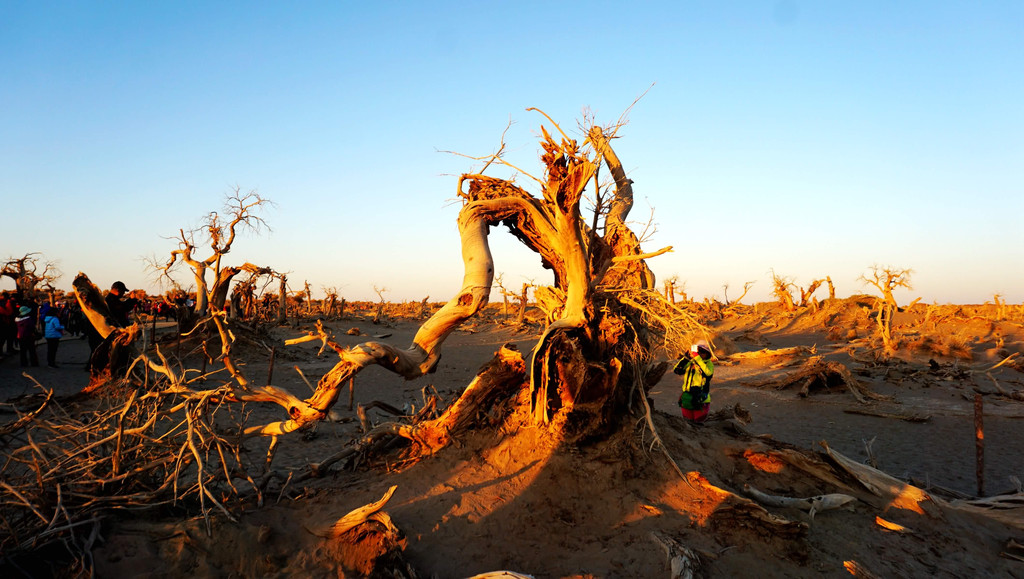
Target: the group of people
(23, 322)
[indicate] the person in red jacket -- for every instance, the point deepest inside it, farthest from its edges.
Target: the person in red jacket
(26, 324)
(8, 331)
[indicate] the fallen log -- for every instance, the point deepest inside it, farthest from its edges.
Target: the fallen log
(768, 353)
(892, 491)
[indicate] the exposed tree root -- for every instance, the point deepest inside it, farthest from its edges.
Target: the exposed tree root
(367, 542)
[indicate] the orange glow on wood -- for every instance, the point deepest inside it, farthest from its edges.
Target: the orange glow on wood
(764, 461)
(890, 526)
(910, 498)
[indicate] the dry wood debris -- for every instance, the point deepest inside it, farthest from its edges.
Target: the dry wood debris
(817, 373)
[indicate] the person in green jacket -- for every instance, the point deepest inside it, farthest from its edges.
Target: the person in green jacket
(696, 368)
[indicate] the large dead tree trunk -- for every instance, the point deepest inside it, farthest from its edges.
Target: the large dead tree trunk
(109, 359)
(282, 303)
(595, 350)
(219, 293)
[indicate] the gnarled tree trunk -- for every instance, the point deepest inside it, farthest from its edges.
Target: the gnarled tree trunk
(596, 348)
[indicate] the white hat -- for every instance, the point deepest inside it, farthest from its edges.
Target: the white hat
(700, 344)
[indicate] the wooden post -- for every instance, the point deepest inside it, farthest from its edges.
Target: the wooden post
(270, 371)
(364, 421)
(351, 391)
(979, 442)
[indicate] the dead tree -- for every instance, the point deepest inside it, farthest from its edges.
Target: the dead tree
(782, 289)
(243, 300)
(805, 294)
(523, 299)
(241, 211)
(670, 288)
(27, 276)
(282, 300)
(746, 289)
(109, 359)
(594, 359)
(330, 303)
(243, 297)
(886, 280)
(499, 280)
(380, 291)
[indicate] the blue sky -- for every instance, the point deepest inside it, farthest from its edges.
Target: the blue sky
(810, 138)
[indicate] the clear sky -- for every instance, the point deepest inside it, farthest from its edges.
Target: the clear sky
(812, 138)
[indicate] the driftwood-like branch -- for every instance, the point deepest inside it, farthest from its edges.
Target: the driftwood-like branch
(144, 451)
(812, 505)
(683, 562)
(360, 515)
(622, 258)
(891, 526)
(909, 417)
(26, 419)
(893, 492)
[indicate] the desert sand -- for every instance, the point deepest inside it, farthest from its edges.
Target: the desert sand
(518, 501)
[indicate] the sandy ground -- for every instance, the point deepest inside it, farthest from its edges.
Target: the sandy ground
(941, 451)
(585, 512)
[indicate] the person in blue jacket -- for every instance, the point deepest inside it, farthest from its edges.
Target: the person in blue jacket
(52, 331)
